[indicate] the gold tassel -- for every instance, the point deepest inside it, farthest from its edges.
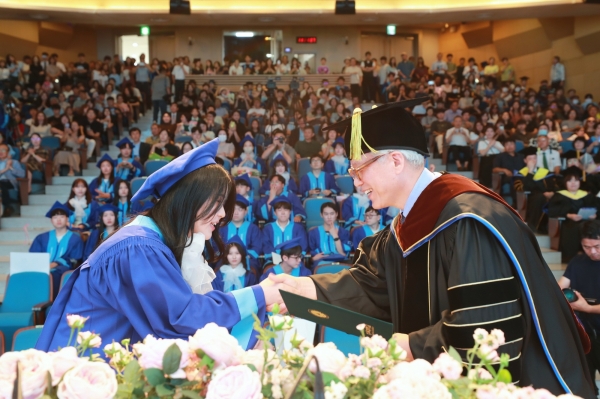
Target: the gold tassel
(357, 138)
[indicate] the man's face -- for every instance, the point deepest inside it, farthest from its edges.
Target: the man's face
(458, 123)
(3, 152)
(316, 163)
(591, 248)
(329, 215)
(283, 214)
(59, 221)
(309, 134)
(542, 142)
(241, 189)
(374, 179)
(239, 214)
(372, 218)
(509, 146)
(454, 106)
(91, 115)
(440, 116)
(276, 186)
(174, 107)
(135, 136)
(293, 261)
(154, 130)
(521, 127)
(449, 58)
(439, 56)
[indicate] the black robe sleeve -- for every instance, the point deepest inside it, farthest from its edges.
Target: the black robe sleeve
(363, 288)
(481, 290)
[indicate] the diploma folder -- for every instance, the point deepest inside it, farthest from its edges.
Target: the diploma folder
(332, 316)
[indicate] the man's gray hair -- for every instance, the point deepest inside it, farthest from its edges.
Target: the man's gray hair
(413, 158)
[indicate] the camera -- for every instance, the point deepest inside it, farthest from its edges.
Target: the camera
(271, 85)
(280, 139)
(294, 84)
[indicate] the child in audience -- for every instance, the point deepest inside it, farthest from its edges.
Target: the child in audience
(316, 182)
(82, 218)
(248, 233)
(279, 166)
(107, 224)
(126, 168)
(372, 225)
(287, 258)
(329, 242)
(123, 201)
(235, 273)
(65, 247)
(282, 229)
(264, 209)
(338, 164)
(102, 187)
(243, 187)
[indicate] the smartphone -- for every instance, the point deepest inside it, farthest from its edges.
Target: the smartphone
(431, 83)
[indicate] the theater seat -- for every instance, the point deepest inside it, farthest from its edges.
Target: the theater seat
(153, 166)
(303, 167)
(313, 211)
(345, 183)
(345, 342)
(331, 268)
(26, 338)
(136, 183)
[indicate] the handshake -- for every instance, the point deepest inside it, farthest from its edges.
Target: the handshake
(303, 286)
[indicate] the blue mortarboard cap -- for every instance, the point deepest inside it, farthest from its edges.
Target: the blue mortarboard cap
(236, 239)
(58, 206)
(279, 158)
(279, 199)
(105, 157)
(159, 182)
(241, 199)
(247, 138)
(108, 207)
(245, 178)
(124, 142)
(294, 242)
(340, 141)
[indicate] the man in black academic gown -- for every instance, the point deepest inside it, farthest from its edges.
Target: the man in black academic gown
(457, 258)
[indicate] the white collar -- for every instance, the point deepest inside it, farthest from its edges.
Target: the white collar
(424, 180)
(284, 227)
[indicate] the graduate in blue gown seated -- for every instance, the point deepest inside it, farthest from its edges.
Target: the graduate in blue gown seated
(354, 208)
(235, 273)
(102, 188)
(64, 246)
(329, 239)
(317, 183)
(107, 224)
(282, 229)
(243, 187)
(248, 159)
(150, 276)
(264, 209)
(287, 258)
(123, 201)
(279, 166)
(248, 233)
(83, 216)
(126, 168)
(339, 163)
(372, 225)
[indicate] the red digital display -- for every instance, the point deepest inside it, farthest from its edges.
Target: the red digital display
(306, 39)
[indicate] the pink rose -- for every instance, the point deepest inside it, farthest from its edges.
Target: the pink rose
(449, 368)
(89, 380)
(34, 368)
(217, 344)
(362, 372)
(62, 361)
(236, 382)
(256, 358)
(153, 351)
(93, 340)
(76, 321)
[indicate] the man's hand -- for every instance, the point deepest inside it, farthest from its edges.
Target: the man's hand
(574, 217)
(303, 286)
(273, 296)
(402, 341)
(580, 304)
(508, 173)
(53, 265)
(318, 256)
(297, 219)
(327, 193)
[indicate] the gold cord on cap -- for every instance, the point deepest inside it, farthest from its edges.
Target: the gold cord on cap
(356, 138)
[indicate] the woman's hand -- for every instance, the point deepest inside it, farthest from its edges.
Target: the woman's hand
(574, 217)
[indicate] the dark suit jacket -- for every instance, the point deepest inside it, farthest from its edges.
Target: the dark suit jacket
(144, 152)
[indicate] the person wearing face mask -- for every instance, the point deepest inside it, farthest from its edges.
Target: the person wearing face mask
(248, 161)
(226, 148)
(150, 276)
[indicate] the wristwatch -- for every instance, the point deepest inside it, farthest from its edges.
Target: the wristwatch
(336, 239)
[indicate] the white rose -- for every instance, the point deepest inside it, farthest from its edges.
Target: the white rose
(94, 340)
(89, 380)
(154, 352)
(256, 358)
(62, 361)
(76, 321)
(449, 368)
(331, 359)
(34, 368)
(416, 368)
(414, 387)
(236, 382)
(218, 344)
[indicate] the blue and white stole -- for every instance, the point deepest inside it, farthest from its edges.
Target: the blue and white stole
(326, 243)
(280, 236)
(105, 186)
(123, 173)
(241, 232)
(85, 217)
(279, 270)
(316, 182)
(58, 249)
(123, 212)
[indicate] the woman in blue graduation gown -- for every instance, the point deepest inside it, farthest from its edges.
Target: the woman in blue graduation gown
(83, 215)
(329, 242)
(102, 187)
(339, 163)
(150, 277)
(287, 258)
(107, 224)
(279, 166)
(235, 274)
(64, 246)
(123, 201)
(126, 167)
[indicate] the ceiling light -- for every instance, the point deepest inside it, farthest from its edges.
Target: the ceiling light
(446, 26)
(244, 34)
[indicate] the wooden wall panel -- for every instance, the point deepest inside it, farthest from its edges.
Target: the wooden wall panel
(558, 28)
(478, 37)
(523, 43)
(589, 44)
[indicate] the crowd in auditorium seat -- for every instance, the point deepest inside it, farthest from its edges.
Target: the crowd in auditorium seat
(535, 142)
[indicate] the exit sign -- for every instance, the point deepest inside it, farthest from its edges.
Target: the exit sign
(306, 39)
(144, 30)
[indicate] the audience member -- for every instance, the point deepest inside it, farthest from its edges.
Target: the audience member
(329, 242)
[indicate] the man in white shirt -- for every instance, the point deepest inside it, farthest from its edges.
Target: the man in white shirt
(459, 140)
(439, 67)
(356, 77)
(179, 72)
(256, 112)
(236, 69)
(557, 73)
(547, 158)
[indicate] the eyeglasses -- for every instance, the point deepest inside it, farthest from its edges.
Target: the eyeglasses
(295, 257)
(368, 215)
(355, 172)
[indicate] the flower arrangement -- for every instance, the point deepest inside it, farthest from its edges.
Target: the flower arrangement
(211, 365)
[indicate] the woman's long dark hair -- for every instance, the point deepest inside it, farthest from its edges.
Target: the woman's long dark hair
(102, 228)
(88, 195)
(210, 188)
(117, 199)
(111, 177)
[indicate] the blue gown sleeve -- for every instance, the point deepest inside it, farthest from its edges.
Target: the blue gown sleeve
(330, 167)
(267, 241)
(345, 239)
(92, 187)
(261, 210)
(304, 186)
(347, 213)
(300, 232)
(331, 184)
(237, 161)
(92, 220)
(139, 170)
(266, 274)
(90, 244)
(266, 186)
(40, 243)
(292, 186)
(217, 283)
(261, 166)
(254, 241)
(141, 279)
(75, 251)
(251, 279)
(304, 271)
(297, 206)
(314, 241)
(357, 235)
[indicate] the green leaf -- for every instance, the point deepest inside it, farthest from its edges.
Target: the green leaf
(178, 381)
(154, 376)
(191, 394)
(267, 391)
(328, 378)
(171, 359)
(504, 376)
(454, 354)
(164, 390)
(132, 371)
(207, 361)
(251, 366)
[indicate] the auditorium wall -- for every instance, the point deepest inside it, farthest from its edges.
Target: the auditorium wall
(530, 45)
